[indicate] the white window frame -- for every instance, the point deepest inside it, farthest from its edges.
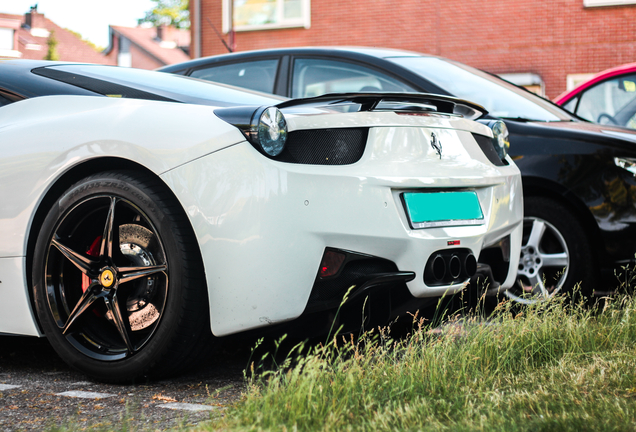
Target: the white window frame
(303, 21)
(530, 81)
(573, 80)
(600, 3)
(9, 35)
(9, 50)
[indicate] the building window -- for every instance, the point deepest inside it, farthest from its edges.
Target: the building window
(573, 80)
(7, 44)
(598, 3)
(529, 81)
(6, 39)
(124, 58)
(266, 14)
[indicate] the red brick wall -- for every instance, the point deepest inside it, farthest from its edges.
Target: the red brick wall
(69, 46)
(141, 59)
(114, 50)
(551, 38)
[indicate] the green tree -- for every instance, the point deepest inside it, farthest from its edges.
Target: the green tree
(79, 36)
(168, 12)
(51, 53)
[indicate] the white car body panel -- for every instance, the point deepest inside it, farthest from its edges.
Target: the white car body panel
(33, 158)
(16, 315)
(277, 223)
(262, 225)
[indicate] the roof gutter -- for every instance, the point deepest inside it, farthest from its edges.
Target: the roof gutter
(109, 48)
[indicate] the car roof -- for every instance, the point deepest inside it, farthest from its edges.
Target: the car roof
(16, 77)
(18, 66)
(33, 78)
(359, 52)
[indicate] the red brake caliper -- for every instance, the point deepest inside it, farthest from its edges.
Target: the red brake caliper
(92, 251)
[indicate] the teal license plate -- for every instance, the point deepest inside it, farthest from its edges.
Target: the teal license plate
(439, 209)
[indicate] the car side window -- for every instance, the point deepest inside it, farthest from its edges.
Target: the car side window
(571, 104)
(257, 75)
(604, 102)
(315, 77)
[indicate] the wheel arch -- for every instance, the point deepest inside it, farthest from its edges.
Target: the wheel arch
(539, 187)
(65, 181)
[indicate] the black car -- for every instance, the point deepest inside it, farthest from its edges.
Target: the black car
(578, 177)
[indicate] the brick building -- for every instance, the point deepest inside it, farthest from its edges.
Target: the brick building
(549, 42)
(147, 48)
(27, 36)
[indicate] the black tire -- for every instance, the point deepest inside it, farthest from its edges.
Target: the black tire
(118, 280)
(556, 255)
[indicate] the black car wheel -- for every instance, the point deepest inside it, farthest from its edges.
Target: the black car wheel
(555, 254)
(118, 285)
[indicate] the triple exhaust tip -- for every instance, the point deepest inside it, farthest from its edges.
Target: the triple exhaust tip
(453, 266)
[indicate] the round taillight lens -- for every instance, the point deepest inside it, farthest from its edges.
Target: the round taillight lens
(272, 131)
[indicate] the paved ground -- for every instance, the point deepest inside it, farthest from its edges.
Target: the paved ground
(38, 390)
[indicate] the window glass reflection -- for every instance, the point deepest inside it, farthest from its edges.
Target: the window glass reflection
(257, 75)
(315, 77)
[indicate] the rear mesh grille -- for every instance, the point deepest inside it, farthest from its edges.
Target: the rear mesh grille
(325, 146)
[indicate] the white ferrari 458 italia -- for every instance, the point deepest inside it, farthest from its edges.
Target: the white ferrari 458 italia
(141, 212)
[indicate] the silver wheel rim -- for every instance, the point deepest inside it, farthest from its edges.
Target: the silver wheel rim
(543, 265)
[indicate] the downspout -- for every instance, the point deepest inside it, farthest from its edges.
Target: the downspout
(197, 32)
(231, 34)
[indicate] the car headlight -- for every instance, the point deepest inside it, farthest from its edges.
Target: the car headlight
(500, 136)
(271, 134)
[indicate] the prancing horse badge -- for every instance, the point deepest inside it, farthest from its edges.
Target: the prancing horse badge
(437, 145)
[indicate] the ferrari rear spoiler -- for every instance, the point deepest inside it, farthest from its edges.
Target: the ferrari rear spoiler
(398, 102)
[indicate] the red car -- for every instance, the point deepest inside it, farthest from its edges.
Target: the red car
(607, 98)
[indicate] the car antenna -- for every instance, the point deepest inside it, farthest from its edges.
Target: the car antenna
(229, 48)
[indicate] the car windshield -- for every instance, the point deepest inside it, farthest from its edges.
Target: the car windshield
(168, 86)
(499, 97)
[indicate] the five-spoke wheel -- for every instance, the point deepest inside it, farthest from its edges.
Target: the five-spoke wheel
(555, 253)
(112, 279)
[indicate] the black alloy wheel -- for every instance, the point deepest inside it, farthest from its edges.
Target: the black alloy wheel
(556, 256)
(118, 285)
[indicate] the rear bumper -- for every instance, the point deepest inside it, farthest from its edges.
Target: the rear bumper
(263, 226)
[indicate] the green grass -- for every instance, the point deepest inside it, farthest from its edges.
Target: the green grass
(552, 367)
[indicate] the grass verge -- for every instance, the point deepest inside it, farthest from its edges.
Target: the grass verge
(551, 367)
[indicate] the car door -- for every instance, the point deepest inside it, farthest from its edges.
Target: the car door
(612, 101)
